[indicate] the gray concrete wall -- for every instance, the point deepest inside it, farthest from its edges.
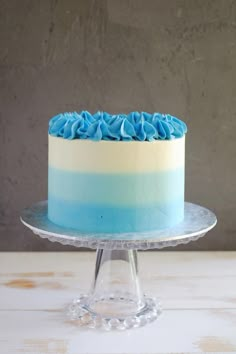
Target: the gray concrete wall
(176, 56)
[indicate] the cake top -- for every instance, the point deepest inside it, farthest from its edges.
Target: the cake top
(140, 126)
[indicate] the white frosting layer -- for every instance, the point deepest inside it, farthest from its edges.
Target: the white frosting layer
(116, 157)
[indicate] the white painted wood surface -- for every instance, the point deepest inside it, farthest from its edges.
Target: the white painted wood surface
(197, 290)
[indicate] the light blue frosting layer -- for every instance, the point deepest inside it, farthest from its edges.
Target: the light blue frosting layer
(115, 202)
(141, 126)
(117, 188)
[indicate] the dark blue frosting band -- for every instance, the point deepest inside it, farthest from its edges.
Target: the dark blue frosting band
(139, 126)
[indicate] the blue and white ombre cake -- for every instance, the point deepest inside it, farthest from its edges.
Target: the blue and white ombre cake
(116, 173)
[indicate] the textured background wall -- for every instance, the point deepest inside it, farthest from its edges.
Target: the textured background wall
(118, 55)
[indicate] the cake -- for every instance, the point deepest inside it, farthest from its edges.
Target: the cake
(116, 173)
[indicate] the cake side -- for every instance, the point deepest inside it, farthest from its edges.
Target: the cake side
(116, 186)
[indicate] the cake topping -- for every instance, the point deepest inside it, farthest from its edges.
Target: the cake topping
(141, 126)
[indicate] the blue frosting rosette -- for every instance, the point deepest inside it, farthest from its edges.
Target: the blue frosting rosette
(140, 126)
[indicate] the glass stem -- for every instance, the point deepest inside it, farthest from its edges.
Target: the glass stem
(116, 277)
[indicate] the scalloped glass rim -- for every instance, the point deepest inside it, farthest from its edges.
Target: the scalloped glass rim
(197, 222)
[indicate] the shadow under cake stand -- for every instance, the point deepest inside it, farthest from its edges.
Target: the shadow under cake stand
(115, 300)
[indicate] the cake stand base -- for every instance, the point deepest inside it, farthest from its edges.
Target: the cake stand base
(115, 300)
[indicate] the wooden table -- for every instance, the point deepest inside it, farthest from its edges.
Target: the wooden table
(198, 293)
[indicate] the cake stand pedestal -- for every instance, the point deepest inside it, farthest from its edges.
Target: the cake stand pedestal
(116, 300)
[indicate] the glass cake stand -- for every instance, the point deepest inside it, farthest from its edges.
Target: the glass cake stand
(115, 300)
